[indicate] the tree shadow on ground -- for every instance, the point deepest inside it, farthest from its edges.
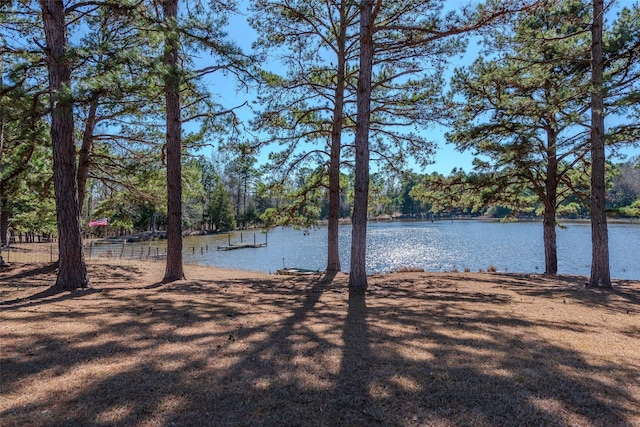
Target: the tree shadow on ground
(44, 275)
(352, 403)
(30, 270)
(296, 352)
(48, 296)
(564, 286)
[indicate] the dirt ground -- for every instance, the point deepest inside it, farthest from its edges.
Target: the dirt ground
(230, 348)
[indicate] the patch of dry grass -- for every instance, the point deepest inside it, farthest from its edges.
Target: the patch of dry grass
(409, 269)
(231, 348)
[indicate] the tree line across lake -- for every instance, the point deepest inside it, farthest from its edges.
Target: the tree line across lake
(237, 200)
(107, 108)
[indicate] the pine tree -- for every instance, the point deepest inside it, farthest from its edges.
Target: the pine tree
(72, 270)
(600, 273)
(520, 113)
(174, 267)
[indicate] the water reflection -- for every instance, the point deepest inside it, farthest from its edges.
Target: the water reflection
(433, 246)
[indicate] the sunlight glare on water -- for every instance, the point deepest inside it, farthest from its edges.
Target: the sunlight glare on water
(433, 246)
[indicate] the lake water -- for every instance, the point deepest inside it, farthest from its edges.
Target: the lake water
(433, 246)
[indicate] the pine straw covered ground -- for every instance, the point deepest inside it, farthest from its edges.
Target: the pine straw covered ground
(226, 348)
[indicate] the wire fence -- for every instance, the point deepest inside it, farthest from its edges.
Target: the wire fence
(48, 252)
(30, 253)
(125, 250)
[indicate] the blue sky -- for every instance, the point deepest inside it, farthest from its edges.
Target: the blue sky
(242, 34)
(446, 157)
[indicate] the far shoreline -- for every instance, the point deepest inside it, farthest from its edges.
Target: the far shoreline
(149, 236)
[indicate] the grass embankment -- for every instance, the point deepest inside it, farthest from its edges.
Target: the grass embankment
(226, 348)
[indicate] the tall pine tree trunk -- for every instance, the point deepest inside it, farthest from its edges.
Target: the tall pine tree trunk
(550, 246)
(72, 271)
(550, 201)
(3, 214)
(333, 246)
(600, 274)
(357, 274)
(174, 268)
(549, 236)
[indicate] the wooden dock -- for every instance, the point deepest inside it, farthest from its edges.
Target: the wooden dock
(242, 245)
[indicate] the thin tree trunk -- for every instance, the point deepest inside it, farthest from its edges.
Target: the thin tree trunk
(550, 247)
(244, 201)
(333, 244)
(84, 155)
(174, 268)
(549, 215)
(550, 241)
(4, 221)
(3, 213)
(72, 271)
(357, 274)
(600, 274)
